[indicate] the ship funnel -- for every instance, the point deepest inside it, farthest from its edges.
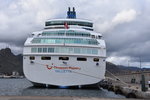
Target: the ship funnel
(73, 9)
(71, 14)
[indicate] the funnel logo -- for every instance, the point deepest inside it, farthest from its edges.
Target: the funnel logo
(49, 67)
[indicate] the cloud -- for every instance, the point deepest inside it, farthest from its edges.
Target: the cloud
(4, 20)
(119, 60)
(124, 24)
(122, 17)
(21, 18)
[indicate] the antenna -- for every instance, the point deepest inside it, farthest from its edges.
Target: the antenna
(69, 9)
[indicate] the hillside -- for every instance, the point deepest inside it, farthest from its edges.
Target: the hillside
(10, 62)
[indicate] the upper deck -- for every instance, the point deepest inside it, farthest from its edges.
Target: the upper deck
(78, 22)
(68, 36)
(72, 23)
(70, 20)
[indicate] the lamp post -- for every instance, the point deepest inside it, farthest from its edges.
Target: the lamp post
(142, 78)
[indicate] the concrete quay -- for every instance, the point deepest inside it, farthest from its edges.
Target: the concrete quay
(129, 90)
(56, 98)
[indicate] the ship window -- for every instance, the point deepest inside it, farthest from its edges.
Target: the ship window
(93, 36)
(32, 58)
(94, 51)
(50, 49)
(64, 32)
(39, 50)
(33, 49)
(46, 58)
(96, 59)
(63, 58)
(36, 40)
(76, 50)
(70, 50)
(44, 50)
(81, 59)
(89, 51)
(99, 36)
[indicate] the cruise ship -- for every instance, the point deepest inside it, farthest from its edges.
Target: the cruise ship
(67, 52)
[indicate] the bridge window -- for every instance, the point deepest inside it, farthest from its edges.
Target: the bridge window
(79, 23)
(66, 32)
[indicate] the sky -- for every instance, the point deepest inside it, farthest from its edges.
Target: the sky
(124, 24)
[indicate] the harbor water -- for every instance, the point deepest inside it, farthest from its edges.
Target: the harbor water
(22, 87)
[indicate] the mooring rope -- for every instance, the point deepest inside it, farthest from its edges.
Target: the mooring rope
(85, 74)
(117, 78)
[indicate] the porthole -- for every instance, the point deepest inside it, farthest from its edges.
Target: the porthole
(81, 59)
(45, 58)
(32, 58)
(96, 59)
(63, 58)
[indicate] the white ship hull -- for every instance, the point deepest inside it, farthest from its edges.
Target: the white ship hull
(64, 73)
(67, 52)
